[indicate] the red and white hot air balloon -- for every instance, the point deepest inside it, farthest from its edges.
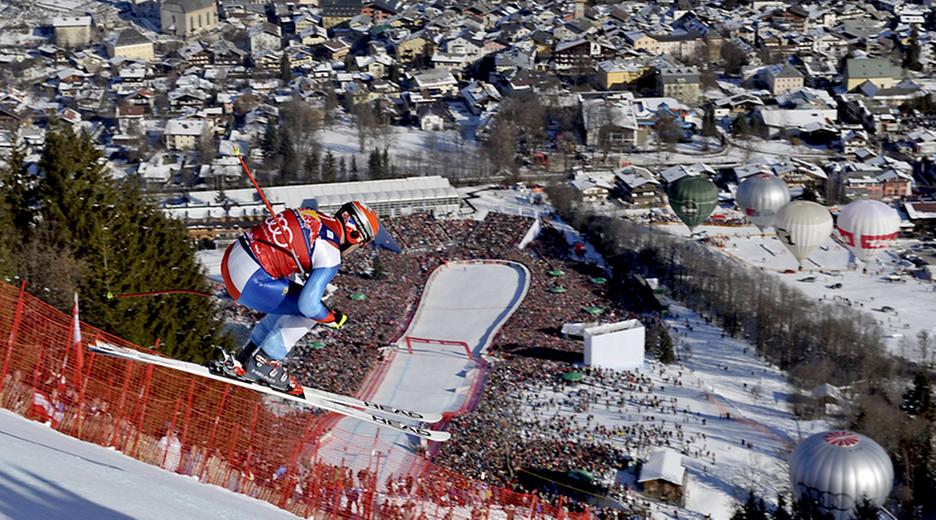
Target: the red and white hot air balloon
(865, 227)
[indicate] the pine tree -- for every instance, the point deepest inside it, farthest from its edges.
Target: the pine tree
(285, 71)
(385, 164)
(741, 126)
(331, 104)
(781, 513)
(123, 243)
(342, 167)
(20, 191)
(667, 355)
(271, 141)
(809, 509)
(288, 158)
(329, 171)
(375, 165)
(918, 399)
(354, 168)
(912, 55)
(752, 509)
(310, 166)
(709, 127)
(865, 510)
(17, 208)
(8, 231)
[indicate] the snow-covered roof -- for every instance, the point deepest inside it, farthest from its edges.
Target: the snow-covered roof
(920, 210)
(71, 21)
(609, 328)
(329, 196)
(663, 464)
(782, 118)
(184, 127)
(597, 112)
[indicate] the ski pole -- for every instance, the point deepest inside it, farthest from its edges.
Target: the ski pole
(243, 163)
(236, 151)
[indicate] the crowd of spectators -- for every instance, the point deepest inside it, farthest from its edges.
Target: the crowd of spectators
(529, 350)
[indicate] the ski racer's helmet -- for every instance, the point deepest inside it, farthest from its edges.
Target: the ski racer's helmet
(360, 226)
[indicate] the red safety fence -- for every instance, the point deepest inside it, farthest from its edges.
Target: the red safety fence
(221, 434)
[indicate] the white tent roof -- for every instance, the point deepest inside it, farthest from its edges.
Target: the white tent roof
(663, 464)
(410, 188)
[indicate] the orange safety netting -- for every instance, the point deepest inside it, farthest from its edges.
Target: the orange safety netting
(224, 435)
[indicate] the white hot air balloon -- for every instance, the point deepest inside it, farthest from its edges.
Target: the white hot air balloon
(802, 226)
(760, 196)
(867, 226)
(839, 468)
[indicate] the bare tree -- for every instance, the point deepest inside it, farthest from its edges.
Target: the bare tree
(365, 123)
(206, 145)
(245, 103)
(667, 131)
(732, 58)
(303, 122)
(501, 146)
(923, 345)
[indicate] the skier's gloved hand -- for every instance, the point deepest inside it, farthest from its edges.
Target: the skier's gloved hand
(338, 319)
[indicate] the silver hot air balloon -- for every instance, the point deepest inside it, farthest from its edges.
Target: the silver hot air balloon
(760, 196)
(838, 468)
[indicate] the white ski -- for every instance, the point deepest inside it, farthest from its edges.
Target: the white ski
(312, 400)
(399, 413)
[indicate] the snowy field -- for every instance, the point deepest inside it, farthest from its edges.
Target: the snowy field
(736, 151)
(50, 476)
(727, 410)
(462, 302)
(412, 150)
(865, 288)
(210, 259)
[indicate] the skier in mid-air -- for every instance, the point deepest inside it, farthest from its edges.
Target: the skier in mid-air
(259, 271)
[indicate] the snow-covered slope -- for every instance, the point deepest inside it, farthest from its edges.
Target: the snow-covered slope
(47, 475)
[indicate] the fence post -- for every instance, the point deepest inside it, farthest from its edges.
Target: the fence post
(35, 378)
(11, 339)
(175, 411)
(188, 410)
(81, 393)
(370, 503)
(214, 430)
(146, 386)
(123, 397)
(248, 464)
(293, 461)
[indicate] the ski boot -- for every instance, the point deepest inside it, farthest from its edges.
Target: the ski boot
(263, 370)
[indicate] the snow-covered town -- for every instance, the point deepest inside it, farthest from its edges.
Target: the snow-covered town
(418, 259)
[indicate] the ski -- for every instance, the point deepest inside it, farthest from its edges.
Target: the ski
(313, 401)
(401, 413)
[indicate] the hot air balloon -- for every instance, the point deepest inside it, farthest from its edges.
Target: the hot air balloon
(693, 199)
(867, 226)
(760, 196)
(839, 468)
(802, 226)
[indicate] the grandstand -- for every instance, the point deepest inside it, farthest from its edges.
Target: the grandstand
(213, 213)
